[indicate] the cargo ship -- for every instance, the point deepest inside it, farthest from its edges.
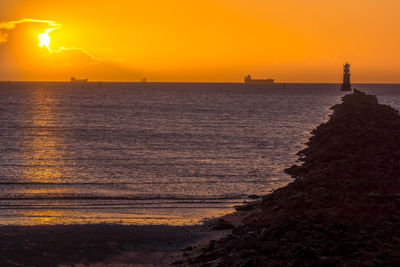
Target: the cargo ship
(74, 80)
(248, 79)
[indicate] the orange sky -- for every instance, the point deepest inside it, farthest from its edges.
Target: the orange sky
(208, 40)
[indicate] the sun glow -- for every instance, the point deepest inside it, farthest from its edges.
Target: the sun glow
(218, 41)
(44, 39)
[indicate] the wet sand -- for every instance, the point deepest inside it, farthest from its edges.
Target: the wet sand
(98, 245)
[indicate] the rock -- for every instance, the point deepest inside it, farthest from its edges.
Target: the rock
(190, 248)
(342, 209)
(178, 262)
(393, 262)
(346, 249)
(221, 224)
(249, 262)
(270, 248)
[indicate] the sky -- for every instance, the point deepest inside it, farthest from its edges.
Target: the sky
(200, 41)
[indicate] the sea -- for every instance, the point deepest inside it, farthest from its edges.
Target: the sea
(152, 153)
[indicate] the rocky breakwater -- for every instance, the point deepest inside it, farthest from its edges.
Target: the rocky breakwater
(342, 209)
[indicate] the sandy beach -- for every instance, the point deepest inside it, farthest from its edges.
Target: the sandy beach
(99, 245)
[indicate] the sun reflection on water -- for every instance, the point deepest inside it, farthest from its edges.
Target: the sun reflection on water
(43, 151)
(43, 156)
(38, 217)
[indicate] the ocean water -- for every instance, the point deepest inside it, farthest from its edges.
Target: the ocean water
(151, 153)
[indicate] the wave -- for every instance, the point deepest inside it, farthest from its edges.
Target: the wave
(135, 197)
(135, 183)
(78, 207)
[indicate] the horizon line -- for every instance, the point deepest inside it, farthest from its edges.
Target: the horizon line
(149, 82)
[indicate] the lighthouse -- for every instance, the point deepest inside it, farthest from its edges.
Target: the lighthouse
(346, 86)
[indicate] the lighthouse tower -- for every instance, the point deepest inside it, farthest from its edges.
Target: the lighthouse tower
(346, 86)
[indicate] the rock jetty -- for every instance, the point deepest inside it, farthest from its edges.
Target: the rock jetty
(342, 209)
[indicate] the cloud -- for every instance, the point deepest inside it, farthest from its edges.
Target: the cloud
(7, 26)
(23, 61)
(73, 56)
(76, 52)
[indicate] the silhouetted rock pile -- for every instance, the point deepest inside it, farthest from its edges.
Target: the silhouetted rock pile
(343, 209)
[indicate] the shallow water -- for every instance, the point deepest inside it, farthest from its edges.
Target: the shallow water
(151, 153)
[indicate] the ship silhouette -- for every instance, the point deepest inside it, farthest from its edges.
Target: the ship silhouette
(74, 80)
(249, 79)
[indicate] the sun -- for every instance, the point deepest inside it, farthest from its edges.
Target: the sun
(44, 39)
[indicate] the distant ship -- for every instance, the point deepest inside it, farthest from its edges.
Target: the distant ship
(74, 80)
(248, 79)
